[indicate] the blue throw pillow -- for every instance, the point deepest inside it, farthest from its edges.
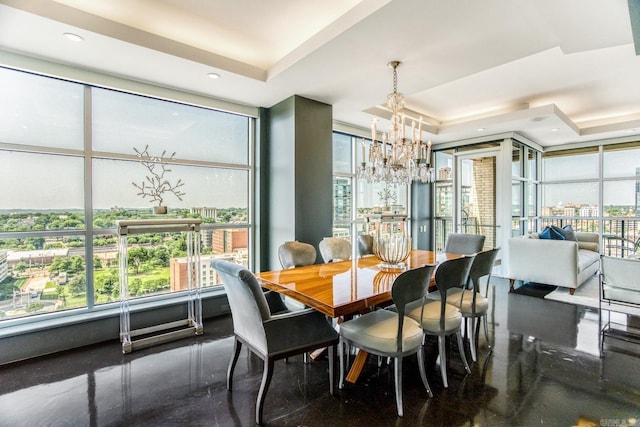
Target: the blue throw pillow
(550, 233)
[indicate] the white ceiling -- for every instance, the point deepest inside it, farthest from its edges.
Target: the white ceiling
(556, 71)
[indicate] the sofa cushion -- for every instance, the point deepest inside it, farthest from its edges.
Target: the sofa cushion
(551, 233)
(568, 233)
(586, 258)
(589, 246)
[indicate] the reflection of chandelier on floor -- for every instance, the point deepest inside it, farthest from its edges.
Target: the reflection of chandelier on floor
(397, 159)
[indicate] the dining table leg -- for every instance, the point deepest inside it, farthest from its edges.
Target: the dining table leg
(356, 368)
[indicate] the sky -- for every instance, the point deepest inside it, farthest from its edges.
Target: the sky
(55, 182)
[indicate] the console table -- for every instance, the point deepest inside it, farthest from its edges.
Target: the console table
(192, 324)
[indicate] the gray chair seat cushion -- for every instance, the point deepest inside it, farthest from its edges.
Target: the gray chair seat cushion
(378, 330)
(431, 317)
(465, 304)
(435, 295)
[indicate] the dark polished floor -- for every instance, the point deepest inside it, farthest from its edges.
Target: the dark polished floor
(544, 369)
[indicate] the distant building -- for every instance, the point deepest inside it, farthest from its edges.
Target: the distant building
(178, 280)
(40, 257)
(206, 238)
(589, 211)
(205, 212)
(4, 265)
(229, 240)
(341, 199)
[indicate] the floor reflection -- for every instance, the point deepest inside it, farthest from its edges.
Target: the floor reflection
(544, 368)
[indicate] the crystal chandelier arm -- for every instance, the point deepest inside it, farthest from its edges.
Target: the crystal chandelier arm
(397, 159)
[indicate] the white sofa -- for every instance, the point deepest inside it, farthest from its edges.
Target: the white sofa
(564, 263)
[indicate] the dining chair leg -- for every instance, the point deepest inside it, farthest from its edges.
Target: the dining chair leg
(237, 346)
(442, 351)
(486, 330)
(341, 353)
(462, 355)
(398, 381)
(264, 385)
(472, 338)
(332, 356)
(423, 373)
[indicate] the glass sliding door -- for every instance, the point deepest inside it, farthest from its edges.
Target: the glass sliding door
(475, 201)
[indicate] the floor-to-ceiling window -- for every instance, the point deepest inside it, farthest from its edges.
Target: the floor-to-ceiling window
(70, 162)
(354, 199)
(621, 199)
(595, 189)
(524, 189)
(570, 189)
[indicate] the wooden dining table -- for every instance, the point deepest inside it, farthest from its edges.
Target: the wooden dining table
(345, 288)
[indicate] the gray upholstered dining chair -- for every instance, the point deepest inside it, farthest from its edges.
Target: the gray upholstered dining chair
(472, 303)
(365, 244)
(270, 337)
(334, 249)
(387, 333)
(441, 319)
(463, 243)
(296, 254)
(291, 254)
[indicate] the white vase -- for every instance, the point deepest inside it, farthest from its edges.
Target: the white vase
(392, 249)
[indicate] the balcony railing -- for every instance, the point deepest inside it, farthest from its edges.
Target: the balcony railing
(470, 225)
(620, 236)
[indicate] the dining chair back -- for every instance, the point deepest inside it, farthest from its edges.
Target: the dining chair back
(334, 249)
(365, 244)
(270, 337)
(441, 319)
(464, 244)
(387, 333)
(296, 254)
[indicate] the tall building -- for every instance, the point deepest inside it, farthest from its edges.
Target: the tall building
(341, 199)
(206, 238)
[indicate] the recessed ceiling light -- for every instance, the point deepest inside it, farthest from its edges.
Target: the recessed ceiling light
(214, 76)
(555, 129)
(481, 129)
(74, 37)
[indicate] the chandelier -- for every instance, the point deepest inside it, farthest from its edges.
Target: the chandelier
(396, 159)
